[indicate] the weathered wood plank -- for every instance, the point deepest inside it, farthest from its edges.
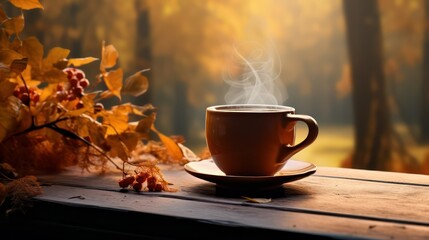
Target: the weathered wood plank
(235, 216)
(372, 175)
(352, 198)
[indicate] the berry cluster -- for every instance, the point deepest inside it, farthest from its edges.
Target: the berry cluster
(137, 181)
(27, 96)
(74, 89)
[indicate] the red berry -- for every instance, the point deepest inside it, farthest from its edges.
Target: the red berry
(79, 105)
(123, 183)
(157, 188)
(74, 81)
(80, 75)
(98, 107)
(130, 179)
(36, 98)
(137, 186)
(25, 98)
(60, 87)
(141, 177)
(78, 91)
(84, 83)
(16, 93)
(71, 97)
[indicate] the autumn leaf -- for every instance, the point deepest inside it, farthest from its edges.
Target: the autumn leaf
(3, 15)
(18, 65)
(6, 89)
(7, 56)
(121, 145)
(76, 62)
(136, 84)
(109, 56)
(55, 55)
(33, 49)
(144, 125)
(257, 200)
(4, 72)
(113, 80)
(9, 116)
(116, 120)
(14, 25)
(26, 4)
(53, 76)
(172, 147)
(4, 38)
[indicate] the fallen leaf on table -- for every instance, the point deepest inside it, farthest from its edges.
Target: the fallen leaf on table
(257, 200)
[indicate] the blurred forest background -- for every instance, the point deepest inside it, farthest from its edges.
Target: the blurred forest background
(360, 68)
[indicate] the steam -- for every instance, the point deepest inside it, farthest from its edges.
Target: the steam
(254, 76)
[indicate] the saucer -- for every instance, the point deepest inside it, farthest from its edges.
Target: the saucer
(292, 171)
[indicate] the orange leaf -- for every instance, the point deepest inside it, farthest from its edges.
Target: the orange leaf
(113, 80)
(18, 65)
(76, 62)
(33, 49)
(53, 76)
(14, 25)
(8, 56)
(3, 15)
(55, 55)
(109, 56)
(26, 4)
(6, 89)
(172, 147)
(136, 85)
(9, 116)
(144, 125)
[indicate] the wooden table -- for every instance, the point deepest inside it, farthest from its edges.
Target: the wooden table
(333, 203)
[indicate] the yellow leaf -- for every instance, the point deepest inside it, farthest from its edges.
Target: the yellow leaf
(4, 72)
(14, 25)
(188, 154)
(26, 4)
(9, 116)
(136, 85)
(6, 89)
(55, 55)
(122, 145)
(76, 62)
(257, 200)
(113, 80)
(33, 49)
(144, 125)
(8, 56)
(106, 94)
(173, 149)
(109, 56)
(53, 76)
(116, 121)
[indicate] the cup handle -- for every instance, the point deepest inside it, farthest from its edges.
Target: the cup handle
(313, 131)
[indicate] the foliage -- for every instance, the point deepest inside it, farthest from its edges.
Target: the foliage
(50, 109)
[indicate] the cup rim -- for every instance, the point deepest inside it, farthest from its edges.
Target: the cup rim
(228, 107)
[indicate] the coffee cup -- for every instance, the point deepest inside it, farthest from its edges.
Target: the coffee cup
(255, 139)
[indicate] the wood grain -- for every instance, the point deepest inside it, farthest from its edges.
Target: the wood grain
(333, 202)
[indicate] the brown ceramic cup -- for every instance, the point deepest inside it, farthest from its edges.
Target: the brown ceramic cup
(254, 139)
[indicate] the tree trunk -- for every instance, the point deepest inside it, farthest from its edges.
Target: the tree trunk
(373, 129)
(143, 52)
(424, 116)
